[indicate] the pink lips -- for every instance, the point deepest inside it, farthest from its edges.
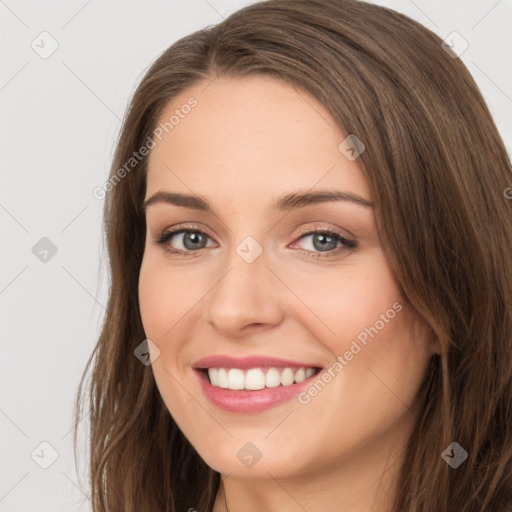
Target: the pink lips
(221, 361)
(245, 401)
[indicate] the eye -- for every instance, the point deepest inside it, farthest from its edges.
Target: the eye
(325, 241)
(191, 239)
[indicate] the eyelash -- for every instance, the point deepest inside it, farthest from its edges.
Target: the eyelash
(166, 236)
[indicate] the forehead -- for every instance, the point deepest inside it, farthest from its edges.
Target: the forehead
(250, 137)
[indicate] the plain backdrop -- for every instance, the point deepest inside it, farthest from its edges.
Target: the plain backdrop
(60, 117)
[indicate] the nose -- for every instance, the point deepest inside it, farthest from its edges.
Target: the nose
(244, 298)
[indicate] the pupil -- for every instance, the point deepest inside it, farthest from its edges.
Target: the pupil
(192, 237)
(323, 240)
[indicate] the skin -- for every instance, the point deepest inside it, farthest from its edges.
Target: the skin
(248, 141)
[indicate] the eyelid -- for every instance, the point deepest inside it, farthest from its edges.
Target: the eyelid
(166, 234)
(323, 228)
(302, 231)
(347, 244)
(184, 227)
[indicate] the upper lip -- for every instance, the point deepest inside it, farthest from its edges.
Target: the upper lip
(222, 361)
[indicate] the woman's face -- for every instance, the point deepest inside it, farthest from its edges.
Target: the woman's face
(256, 275)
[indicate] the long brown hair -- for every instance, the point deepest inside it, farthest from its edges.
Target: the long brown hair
(438, 173)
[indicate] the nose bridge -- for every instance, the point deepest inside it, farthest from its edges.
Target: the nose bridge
(243, 295)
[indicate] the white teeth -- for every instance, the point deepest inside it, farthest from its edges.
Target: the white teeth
(254, 379)
(235, 379)
(257, 378)
(213, 373)
(223, 378)
(272, 378)
(287, 377)
(300, 375)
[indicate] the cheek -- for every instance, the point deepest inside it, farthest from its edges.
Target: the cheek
(169, 303)
(346, 301)
(160, 298)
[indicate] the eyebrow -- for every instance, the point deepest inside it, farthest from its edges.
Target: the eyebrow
(284, 203)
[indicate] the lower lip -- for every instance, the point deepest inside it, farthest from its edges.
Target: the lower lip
(248, 402)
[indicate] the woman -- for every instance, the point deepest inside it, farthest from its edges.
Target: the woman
(309, 237)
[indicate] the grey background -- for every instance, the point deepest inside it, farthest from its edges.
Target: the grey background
(60, 117)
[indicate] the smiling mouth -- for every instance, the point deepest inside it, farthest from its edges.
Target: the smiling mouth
(253, 379)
